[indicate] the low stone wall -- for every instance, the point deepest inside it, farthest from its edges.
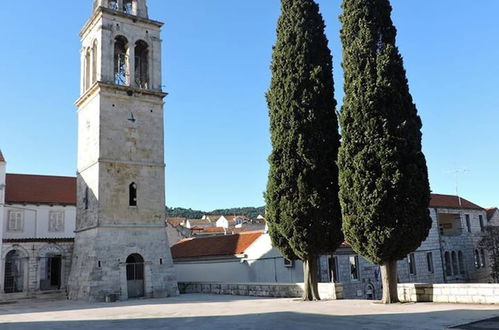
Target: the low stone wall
(278, 290)
(466, 293)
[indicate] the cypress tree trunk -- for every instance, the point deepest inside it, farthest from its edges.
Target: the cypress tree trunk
(302, 204)
(311, 285)
(389, 280)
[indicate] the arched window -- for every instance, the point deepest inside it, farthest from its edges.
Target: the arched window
(448, 266)
(88, 67)
(482, 254)
(142, 64)
(133, 194)
(477, 259)
(14, 272)
(113, 4)
(460, 257)
(121, 61)
(455, 269)
(94, 62)
(128, 7)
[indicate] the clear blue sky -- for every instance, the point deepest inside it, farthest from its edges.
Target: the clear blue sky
(216, 69)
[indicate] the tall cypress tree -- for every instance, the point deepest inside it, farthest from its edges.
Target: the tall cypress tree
(302, 192)
(384, 189)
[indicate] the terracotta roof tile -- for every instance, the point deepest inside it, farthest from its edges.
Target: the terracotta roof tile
(490, 212)
(39, 189)
(453, 202)
(214, 245)
(175, 221)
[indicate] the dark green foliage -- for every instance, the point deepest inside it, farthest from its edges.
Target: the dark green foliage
(490, 242)
(384, 187)
(302, 192)
(250, 212)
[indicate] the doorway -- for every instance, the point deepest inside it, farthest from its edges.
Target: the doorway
(14, 276)
(135, 276)
(51, 273)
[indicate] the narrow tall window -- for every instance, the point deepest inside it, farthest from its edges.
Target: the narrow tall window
(455, 269)
(133, 194)
(411, 259)
(482, 226)
(461, 262)
(121, 61)
(477, 259)
(482, 261)
(88, 69)
(468, 223)
(86, 198)
(142, 64)
(429, 261)
(94, 62)
(448, 265)
(354, 268)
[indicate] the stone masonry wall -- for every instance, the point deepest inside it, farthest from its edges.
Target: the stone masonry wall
(450, 293)
(331, 291)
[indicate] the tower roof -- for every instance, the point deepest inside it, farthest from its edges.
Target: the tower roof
(2, 159)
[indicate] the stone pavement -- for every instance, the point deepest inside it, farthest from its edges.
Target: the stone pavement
(198, 311)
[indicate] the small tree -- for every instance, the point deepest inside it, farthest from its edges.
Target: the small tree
(302, 192)
(384, 187)
(490, 242)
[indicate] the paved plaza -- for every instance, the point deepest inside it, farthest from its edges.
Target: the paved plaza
(197, 311)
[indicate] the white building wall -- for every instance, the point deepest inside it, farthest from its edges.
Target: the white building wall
(3, 167)
(36, 221)
(261, 264)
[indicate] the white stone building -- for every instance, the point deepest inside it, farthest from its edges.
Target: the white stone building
(37, 220)
(238, 258)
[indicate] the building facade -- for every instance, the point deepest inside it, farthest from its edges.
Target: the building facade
(37, 222)
(121, 247)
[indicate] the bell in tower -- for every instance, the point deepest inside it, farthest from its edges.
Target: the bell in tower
(130, 7)
(121, 247)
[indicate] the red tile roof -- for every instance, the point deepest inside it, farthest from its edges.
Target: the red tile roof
(452, 202)
(39, 189)
(490, 212)
(228, 245)
(1, 157)
(175, 221)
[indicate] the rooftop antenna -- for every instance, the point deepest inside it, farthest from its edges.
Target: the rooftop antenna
(456, 173)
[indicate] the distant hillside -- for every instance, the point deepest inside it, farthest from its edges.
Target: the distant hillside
(250, 212)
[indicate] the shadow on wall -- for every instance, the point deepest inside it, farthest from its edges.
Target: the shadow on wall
(276, 321)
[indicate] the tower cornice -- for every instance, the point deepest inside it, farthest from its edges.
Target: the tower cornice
(103, 10)
(99, 85)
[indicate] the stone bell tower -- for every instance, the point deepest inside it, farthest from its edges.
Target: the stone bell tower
(121, 247)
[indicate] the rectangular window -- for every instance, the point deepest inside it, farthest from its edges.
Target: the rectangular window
(56, 221)
(333, 268)
(354, 268)
(288, 263)
(468, 223)
(482, 227)
(429, 261)
(411, 259)
(15, 221)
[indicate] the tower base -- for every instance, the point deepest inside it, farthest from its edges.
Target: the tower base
(121, 263)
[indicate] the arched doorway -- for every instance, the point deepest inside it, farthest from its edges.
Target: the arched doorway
(14, 272)
(135, 275)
